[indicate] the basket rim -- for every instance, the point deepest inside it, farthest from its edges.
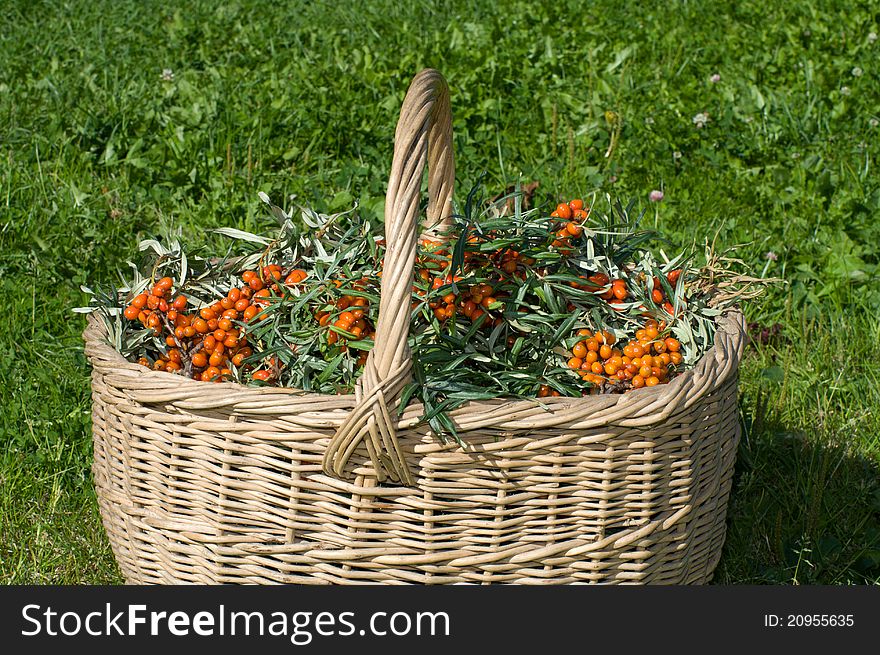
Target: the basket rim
(637, 406)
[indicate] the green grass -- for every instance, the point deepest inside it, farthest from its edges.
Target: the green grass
(97, 151)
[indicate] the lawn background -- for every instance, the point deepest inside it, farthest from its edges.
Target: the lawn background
(301, 98)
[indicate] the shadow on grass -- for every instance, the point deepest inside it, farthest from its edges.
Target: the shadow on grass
(804, 509)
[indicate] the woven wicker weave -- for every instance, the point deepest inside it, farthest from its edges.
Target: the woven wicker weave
(221, 483)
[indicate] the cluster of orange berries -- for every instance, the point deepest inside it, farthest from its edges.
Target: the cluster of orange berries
(659, 296)
(473, 302)
(573, 213)
(206, 342)
(646, 361)
(351, 320)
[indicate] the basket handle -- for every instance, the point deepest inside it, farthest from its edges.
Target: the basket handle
(423, 136)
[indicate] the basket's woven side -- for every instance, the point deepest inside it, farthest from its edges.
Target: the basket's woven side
(220, 483)
(423, 137)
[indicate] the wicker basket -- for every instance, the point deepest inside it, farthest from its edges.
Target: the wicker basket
(221, 483)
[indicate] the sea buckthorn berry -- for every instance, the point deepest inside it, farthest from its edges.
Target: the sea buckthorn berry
(574, 229)
(605, 351)
(564, 211)
(675, 358)
(255, 283)
(575, 362)
(592, 344)
(672, 344)
(242, 304)
(591, 356)
(638, 381)
(250, 312)
(579, 350)
(652, 381)
(171, 367)
(657, 296)
(199, 360)
(131, 312)
(140, 300)
(597, 367)
(576, 204)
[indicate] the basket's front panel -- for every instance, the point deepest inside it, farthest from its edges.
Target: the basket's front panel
(205, 488)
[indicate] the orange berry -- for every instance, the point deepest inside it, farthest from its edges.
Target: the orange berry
(574, 229)
(605, 351)
(672, 345)
(131, 312)
(579, 350)
(199, 359)
(563, 211)
(576, 204)
(638, 381)
(652, 381)
(575, 362)
(675, 358)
